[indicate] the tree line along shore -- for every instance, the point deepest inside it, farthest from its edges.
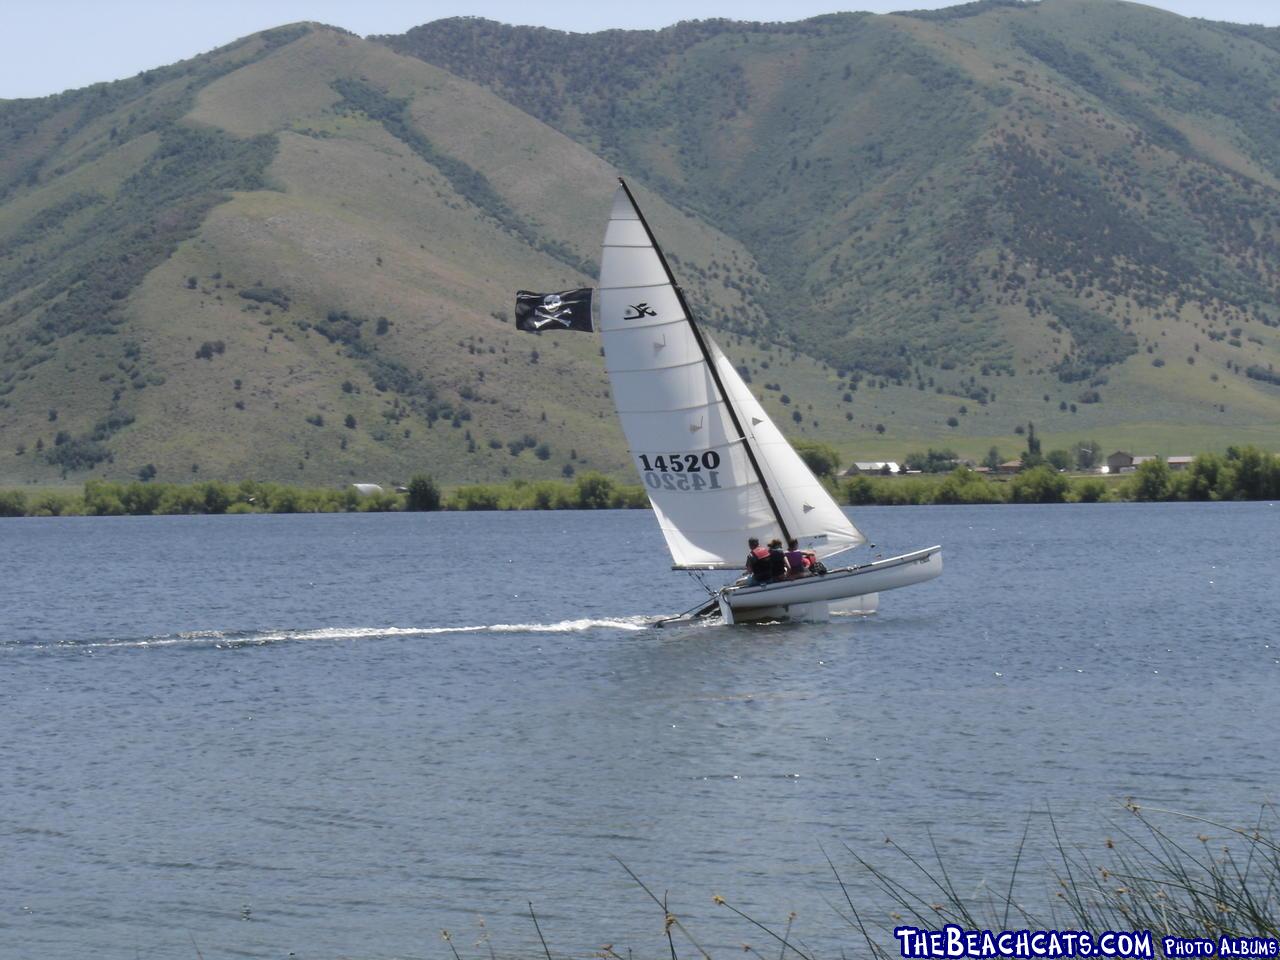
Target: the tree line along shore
(1242, 473)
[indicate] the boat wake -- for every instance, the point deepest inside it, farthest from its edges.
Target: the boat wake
(219, 639)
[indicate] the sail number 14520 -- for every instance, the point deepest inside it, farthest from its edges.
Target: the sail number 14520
(681, 471)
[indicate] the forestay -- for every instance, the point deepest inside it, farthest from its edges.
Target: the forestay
(716, 468)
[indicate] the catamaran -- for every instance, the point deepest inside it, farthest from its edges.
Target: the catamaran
(716, 468)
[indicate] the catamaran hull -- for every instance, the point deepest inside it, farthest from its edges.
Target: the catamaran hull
(810, 598)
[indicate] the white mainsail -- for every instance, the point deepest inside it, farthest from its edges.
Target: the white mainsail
(716, 468)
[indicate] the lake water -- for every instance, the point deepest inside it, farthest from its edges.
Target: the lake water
(332, 736)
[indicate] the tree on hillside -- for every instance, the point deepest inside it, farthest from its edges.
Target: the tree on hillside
(1038, 485)
(963, 485)
(992, 460)
(593, 491)
(932, 461)
(859, 491)
(1151, 480)
(1090, 490)
(1256, 474)
(1031, 457)
(1088, 454)
(822, 458)
(1058, 459)
(1204, 477)
(423, 494)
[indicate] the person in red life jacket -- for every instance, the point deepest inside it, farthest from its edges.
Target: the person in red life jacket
(799, 562)
(758, 565)
(778, 566)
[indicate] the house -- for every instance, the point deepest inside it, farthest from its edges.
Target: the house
(1009, 466)
(873, 466)
(1179, 463)
(367, 489)
(1139, 461)
(1119, 461)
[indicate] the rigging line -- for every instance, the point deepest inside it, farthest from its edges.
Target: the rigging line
(696, 575)
(711, 365)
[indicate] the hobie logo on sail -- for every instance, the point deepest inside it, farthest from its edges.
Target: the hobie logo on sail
(641, 310)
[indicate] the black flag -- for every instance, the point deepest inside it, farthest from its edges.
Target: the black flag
(566, 310)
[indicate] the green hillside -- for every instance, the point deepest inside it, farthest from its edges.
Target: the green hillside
(293, 258)
(1064, 211)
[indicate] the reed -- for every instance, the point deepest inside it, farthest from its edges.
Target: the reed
(1200, 878)
(1224, 881)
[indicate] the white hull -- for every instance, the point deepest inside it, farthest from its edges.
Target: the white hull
(862, 606)
(810, 598)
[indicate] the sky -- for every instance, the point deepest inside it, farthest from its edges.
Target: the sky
(47, 46)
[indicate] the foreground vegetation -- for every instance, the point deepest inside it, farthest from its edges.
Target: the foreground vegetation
(1242, 474)
(1222, 881)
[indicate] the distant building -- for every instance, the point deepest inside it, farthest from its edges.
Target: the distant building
(1119, 461)
(873, 466)
(1009, 466)
(1179, 463)
(367, 489)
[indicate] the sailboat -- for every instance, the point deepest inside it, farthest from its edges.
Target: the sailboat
(716, 468)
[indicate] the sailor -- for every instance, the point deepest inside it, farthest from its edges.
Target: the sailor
(778, 566)
(758, 565)
(799, 561)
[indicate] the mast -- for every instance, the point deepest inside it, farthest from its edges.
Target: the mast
(711, 364)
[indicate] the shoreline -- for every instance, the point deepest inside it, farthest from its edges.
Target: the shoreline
(1242, 474)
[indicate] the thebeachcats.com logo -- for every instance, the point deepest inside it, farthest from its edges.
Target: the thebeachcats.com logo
(957, 942)
(1223, 946)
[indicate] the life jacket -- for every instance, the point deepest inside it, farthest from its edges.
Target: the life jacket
(761, 565)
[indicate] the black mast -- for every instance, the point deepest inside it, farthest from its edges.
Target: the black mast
(711, 365)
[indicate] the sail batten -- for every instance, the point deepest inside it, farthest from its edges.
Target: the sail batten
(715, 467)
(669, 366)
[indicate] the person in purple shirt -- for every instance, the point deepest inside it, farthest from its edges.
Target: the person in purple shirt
(799, 561)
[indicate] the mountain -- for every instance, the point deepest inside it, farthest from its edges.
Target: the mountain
(294, 257)
(1020, 207)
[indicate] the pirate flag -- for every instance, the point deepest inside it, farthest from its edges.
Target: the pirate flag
(566, 310)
